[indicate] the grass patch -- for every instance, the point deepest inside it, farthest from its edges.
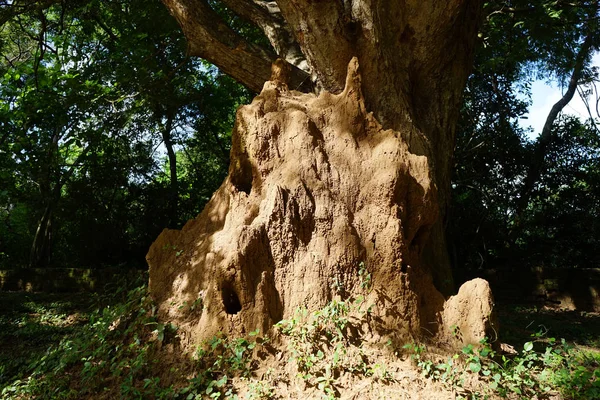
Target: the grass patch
(533, 372)
(113, 351)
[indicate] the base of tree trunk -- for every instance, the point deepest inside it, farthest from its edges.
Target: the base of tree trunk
(320, 202)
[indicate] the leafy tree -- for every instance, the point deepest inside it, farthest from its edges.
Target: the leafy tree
(122, 87)
(499, 173)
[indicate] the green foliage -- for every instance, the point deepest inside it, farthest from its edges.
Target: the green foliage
(325, 343)
(522, 41)
(115, 353)
(218, 361)
(556, 368)
(88, 92)
(30, 323)
(115, 344)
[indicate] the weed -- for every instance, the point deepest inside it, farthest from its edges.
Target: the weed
(364, 275)
(322, 343)
(558, 368)
(118, 345)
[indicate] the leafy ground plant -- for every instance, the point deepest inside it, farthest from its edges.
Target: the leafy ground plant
(31, 322)
(556, 368)
(119, 349)
(116, 354)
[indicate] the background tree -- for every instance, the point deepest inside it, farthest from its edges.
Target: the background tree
(93, 179)
(501, 175)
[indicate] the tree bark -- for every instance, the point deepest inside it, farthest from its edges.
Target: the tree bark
(167, 130)
(42, 243)
(318, 185)
(211, 38)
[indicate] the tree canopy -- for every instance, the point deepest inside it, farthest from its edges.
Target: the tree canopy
(110, 131)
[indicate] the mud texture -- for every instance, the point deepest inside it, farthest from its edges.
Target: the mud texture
(315, 188)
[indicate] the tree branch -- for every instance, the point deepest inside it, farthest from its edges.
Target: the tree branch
(547, 135)
(8, 12)
(211, 38)
(267, 16)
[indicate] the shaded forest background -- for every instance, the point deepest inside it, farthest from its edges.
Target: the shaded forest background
(110, 133)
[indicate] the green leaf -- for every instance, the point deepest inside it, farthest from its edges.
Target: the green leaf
(528, 346)
(221, 382)
(475, 367)
(468, 349)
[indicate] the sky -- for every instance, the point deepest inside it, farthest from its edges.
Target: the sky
(544, 96)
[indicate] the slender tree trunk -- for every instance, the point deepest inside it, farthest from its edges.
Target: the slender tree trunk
(167, 130)
(319, 184)
(51, 183)
(41, 248)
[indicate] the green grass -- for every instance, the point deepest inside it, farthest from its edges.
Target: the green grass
(111, 350)
(543, 364)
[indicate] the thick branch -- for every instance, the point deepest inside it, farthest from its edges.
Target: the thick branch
(211, 38)
(547, 135)
(267, 16)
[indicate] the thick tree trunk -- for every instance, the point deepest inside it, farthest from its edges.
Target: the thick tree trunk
(320, 184)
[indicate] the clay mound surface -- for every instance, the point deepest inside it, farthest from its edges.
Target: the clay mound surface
(469, 316)
(316, 189)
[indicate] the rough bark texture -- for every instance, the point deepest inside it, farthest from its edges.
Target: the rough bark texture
(415, 57)
(316, 186)
(211, 38)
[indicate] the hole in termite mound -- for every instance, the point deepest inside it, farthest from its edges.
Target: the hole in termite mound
(231, 302)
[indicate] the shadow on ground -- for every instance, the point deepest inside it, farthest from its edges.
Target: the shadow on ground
(519, 323)
(32, 322)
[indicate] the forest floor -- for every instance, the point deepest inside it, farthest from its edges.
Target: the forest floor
(37, 345)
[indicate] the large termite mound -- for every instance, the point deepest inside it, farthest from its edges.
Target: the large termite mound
(315, 187)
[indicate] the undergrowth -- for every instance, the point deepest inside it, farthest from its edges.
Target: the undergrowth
(121, 352)
(556, 367)
(328, 343)
(115, 356)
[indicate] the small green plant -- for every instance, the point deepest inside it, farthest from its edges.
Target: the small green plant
(364, 275)
(260, 390)
(322, 344)
(558, 368)
(218, 360)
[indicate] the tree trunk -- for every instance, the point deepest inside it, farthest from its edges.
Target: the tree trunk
(42, 241)
(174, 184)
(319, 184)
